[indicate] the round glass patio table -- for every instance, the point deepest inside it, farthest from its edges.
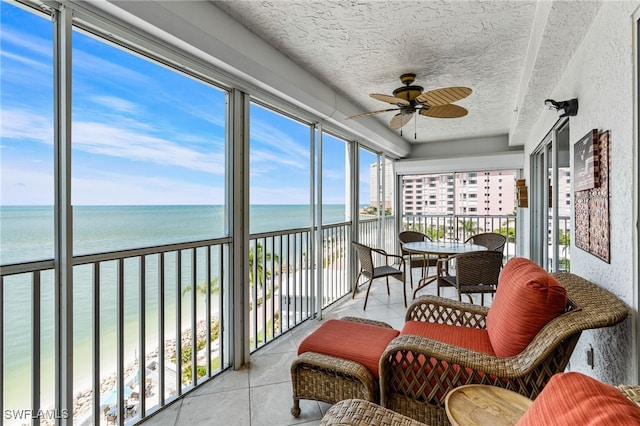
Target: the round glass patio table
(440, 249)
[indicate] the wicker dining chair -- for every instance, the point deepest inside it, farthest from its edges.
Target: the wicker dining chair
(413, 260)
(473, 272)
(371, 272)
(417, 372)
(490, 240)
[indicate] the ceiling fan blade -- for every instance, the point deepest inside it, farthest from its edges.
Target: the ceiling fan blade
(371, 113)
(400, 120)
(444, 96)
(444, 111)
(390, 99)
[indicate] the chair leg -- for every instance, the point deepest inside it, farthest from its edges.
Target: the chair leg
(404, 293)
(410, 277)
(388, 291)
(355, 286)
(366, 298)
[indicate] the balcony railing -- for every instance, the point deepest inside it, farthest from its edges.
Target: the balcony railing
(461, 227)
(133, 302)
(150, 323)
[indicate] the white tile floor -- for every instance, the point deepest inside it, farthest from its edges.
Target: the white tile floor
(260, 393)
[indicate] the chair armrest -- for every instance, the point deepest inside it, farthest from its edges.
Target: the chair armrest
(447, 311)
(425, 370)
(387, 256)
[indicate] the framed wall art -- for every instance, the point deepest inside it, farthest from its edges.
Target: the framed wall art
(591, 206)
(585, 162)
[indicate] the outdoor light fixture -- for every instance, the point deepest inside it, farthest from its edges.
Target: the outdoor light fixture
(565, 108)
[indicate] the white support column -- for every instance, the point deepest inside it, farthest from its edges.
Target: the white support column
(317, 130)
(63, 217)
(353, 159)
(238, 200)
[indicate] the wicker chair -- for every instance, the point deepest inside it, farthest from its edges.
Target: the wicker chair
(411, 359)
(415, 260)
(357, 412)
(371, 272)
(490, 240)
(475, 272)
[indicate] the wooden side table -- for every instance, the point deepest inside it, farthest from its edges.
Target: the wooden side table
(485, 405)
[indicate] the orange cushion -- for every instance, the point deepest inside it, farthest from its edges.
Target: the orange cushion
(362, 343)
(475, 339)
(576, 399)
(527, 298)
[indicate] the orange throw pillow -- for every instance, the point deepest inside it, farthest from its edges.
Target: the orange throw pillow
(576, 399)
(362, 343)
(475, 339)
(527, 298)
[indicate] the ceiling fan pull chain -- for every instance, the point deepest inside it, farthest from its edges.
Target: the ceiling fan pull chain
(415, 129)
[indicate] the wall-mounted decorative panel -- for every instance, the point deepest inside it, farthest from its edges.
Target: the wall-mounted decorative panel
(591, 206)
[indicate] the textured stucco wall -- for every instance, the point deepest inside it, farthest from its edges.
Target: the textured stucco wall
(600, 75)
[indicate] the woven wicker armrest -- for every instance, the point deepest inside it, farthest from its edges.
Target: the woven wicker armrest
(367, 321)
(630, 391)
(446, 311)
(356, 412)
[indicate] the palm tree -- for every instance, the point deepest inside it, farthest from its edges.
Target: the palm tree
(257, 258)
(468, 227)
(201, 287)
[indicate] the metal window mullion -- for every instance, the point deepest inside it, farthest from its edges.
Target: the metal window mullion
(35, 344)
(63, 216)
(178, 339)
(142, 336)
(264, 290)
(295, 277)
(194, 318)
(222, 325)
(207, 314)
(161, 346)
(120, 338)
(254, 293)
(554, 201)
(95, 312)
(288, 280)
(318, 246)
(272, 305)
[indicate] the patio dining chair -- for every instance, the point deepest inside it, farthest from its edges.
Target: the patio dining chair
(371, 272)
(490, 240)
(414, 260)
(474, 272)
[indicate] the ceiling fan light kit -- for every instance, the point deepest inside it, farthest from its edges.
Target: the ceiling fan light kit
(408, 99)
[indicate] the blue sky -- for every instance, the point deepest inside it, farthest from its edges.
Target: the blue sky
(141, 133)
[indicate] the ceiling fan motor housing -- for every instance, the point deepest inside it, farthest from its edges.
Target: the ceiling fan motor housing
(408, 93)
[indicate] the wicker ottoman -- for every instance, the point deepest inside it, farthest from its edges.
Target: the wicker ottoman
(330, 379)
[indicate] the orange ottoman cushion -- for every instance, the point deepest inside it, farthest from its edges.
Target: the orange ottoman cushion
(527, 298)
(476, 339)
(362, 343)
(576, 399)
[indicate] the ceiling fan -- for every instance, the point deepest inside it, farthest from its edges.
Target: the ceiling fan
(410, 99)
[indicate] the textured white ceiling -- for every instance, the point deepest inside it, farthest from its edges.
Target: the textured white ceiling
(511, 53)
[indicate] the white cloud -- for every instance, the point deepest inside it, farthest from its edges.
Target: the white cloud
(98, 138)
(113, 103)
(127, 139)
(123, 189)
(25, 124)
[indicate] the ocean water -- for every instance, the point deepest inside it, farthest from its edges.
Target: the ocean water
(27, 234)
